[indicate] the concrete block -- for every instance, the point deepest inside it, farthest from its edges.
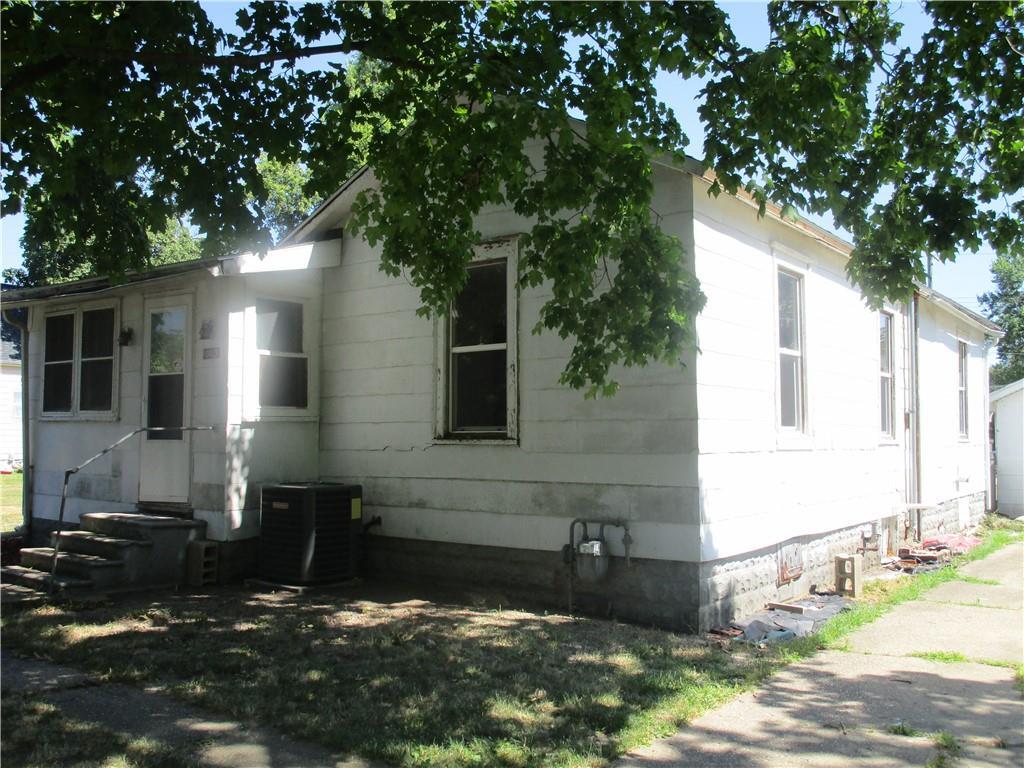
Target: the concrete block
(201, 562)
(849, 575)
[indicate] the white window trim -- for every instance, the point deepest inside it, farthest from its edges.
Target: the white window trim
(252, 410)
(506, 249)
(890, 435)
(799, 437)
(76, 414)
(963, 402)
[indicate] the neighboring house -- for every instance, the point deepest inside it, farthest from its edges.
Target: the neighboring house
(10, 404)
(806, 424)
(1008, 417)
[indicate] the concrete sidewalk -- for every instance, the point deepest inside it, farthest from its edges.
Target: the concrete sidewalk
(837, 708)
(148, 712)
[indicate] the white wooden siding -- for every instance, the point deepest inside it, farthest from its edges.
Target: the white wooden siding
(631, 456)
(759, 486)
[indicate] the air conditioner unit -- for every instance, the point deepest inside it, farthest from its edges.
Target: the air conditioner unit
(310, 532)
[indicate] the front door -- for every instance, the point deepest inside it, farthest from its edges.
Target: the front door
(166, 395)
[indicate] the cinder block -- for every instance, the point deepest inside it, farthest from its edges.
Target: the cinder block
(849, 575)
(202, 562)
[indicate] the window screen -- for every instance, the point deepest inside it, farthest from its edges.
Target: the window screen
(284, 369)
(962, 387)
(791, 376)
(58, 363)
(97, 360)
(284, 381)
(885, 358)
(279, 326)
(478, 353)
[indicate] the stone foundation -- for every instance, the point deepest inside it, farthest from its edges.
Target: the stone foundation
(237, 560)
(736, 587)
(658, 592)
(945, 516)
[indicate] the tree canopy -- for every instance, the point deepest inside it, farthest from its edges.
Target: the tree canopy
(119, 116)
(1005, 307)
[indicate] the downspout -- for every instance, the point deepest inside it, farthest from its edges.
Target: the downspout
(26, 440)
(915, 394)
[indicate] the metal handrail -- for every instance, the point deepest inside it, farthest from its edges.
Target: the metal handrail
(74, 470)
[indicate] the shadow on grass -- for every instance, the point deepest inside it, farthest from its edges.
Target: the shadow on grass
(37, 734)
(412, 682)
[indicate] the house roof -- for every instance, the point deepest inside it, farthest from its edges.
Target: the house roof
(959, 309)
(1007, 389)
(12, 299)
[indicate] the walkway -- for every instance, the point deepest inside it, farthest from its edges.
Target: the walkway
(849, 708)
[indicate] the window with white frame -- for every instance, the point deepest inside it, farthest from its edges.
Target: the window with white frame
(283, 360)
(791, 356)
(885, 373)
(80, 347)
(478, 397)
(962, 386)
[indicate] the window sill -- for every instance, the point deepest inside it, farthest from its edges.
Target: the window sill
(279, 417)
(82, 417)
(501, 441)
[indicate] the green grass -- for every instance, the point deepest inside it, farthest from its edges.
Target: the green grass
(949, 750)
(943, 657)
(412, 683)
(976, 580)
(902, 729)
(882, 596)
(37, 735)
(10, 501)
(418, 683)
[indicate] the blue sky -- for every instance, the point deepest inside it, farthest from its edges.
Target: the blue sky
(963, 280)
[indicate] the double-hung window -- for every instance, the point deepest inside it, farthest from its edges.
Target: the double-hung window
(79, 362)
(962, 386)
(885, 372)
(480, 351)
(283, 359)
(791, 356)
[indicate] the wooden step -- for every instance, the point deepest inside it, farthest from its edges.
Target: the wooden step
(91, 543)
(102, 572)
(29, 577)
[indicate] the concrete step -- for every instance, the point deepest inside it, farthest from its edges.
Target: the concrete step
(38, 580)
(91, 543)
(168, 538)
(128, 525)
(166, 509)
(15, 596)
(101, 571)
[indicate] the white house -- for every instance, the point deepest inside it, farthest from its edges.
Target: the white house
(806, 425)
(1008, 417)
(10, 404)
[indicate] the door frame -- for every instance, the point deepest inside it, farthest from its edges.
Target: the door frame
(150, 304)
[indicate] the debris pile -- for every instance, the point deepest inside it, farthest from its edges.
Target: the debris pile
(785, 621)
(933, 553)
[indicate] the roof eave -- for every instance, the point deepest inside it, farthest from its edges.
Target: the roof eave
(22, 297)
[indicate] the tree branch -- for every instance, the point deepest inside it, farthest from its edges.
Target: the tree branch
(28, 74)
